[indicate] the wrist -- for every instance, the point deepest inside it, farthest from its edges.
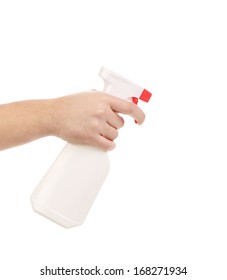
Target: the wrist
(53, 121)
(47, 120)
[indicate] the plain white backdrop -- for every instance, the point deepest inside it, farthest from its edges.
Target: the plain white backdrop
(164, 201)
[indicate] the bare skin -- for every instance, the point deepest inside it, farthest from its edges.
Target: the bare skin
(86, 118)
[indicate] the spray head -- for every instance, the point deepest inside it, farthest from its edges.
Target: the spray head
(118, 86)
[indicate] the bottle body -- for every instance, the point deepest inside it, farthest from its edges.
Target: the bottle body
(67, 191)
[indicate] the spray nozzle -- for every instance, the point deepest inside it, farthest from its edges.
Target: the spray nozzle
(118, 86)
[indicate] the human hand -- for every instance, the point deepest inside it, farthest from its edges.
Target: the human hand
(91, 118)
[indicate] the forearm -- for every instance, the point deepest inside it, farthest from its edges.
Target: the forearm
(25, 121)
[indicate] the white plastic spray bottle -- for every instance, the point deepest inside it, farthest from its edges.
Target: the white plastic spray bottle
(67, 191)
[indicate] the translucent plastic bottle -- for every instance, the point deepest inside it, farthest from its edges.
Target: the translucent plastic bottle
(67, 191)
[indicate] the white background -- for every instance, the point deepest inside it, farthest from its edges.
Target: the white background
(164, 201)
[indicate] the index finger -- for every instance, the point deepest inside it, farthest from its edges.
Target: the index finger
(128, 108)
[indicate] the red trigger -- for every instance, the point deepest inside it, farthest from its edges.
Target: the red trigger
(135, 100)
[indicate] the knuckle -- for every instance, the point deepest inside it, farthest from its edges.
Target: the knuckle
(121, 123)
(141, 116)
(105, 145)
(101, 112)
(110, 146)
(95, 124)
(115, 134)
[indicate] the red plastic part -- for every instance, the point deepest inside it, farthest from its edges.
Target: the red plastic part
(145, 95)
(135, 100)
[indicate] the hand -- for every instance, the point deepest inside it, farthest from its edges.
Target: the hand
(91, 118)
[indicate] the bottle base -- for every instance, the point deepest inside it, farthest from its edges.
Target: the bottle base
(52, 215)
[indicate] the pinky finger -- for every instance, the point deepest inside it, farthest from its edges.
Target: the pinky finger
(104, 143)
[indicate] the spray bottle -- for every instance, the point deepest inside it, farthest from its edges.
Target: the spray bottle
(67, 191)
